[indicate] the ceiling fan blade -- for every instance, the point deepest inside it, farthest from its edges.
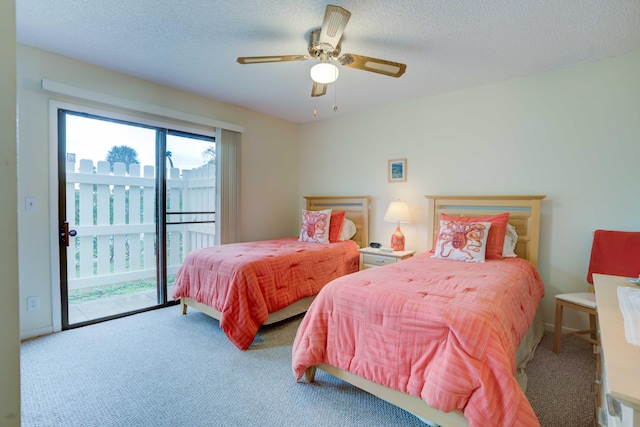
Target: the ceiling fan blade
(262, 59)
(375, 65)
(318, 89)
(335, 20)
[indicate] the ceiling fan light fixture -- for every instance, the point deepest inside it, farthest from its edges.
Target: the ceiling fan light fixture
(324, 72)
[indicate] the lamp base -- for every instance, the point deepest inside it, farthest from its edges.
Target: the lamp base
(397, 240)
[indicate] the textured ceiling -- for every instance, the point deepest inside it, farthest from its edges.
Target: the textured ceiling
(447, 45)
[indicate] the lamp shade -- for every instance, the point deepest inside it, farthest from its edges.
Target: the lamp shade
(324, 72)
(398, 212)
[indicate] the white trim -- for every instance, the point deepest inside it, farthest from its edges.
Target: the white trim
(56, 296)
(110, 114)
(101, 98)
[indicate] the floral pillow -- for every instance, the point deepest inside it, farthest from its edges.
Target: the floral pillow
(315, 226)
(462, 241)
(495, 240)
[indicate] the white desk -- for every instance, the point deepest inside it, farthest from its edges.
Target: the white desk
(621, 374)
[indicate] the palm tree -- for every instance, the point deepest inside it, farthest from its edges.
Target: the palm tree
(170, 159)
(123, 154)
(209, 155)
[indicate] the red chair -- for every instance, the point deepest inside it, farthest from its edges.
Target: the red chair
(616, 253)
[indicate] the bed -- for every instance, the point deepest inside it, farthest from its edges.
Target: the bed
(247, 285)
(442, 339)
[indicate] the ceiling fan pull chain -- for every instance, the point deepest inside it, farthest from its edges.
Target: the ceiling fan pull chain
(335, 97)
(314, 107)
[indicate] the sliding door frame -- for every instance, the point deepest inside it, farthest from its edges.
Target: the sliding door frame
(162, 126)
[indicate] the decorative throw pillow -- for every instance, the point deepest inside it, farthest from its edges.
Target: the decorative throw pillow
(462, 240)
(495, 240)
(335, 228)
(510, 240)
(315, 226)
(348, 230)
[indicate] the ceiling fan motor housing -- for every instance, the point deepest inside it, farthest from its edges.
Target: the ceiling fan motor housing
(320, 50)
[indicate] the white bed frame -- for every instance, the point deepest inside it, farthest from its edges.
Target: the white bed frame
(357, 210)
(524, 214)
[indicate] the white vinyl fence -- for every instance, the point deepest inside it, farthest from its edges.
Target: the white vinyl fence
(113, 214)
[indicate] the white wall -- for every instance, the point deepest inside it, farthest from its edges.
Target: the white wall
(572, 134)
(269, 156)
(9, 339)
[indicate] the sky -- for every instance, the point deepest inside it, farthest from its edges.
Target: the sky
(92, 139)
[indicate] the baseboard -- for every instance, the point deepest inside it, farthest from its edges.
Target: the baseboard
(550, 327)
(36, 333)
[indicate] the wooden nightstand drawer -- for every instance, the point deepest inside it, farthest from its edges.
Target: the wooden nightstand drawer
(370, 258)
(377, 260)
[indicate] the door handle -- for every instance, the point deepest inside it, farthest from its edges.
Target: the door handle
(65, 233)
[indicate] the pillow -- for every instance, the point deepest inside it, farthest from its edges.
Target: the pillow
(315, 226)
(348, 230)
(510, 240)
(495, 240)
(462, 240)
(335, 228)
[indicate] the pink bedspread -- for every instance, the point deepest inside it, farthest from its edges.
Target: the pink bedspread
(247, 281)
(441, 330)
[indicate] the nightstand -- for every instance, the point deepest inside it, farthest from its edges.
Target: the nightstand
(370, 257)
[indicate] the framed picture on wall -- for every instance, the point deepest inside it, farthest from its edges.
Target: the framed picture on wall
(398, 170)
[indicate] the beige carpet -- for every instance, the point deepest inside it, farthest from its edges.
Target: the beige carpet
(160, 368)
(559, 387)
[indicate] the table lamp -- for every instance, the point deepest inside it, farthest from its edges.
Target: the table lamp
(397, 212)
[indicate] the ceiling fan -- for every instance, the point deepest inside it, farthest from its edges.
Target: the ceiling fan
(324, 46)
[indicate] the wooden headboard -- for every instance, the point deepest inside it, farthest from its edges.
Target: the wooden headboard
(524, 215)
(357, 208)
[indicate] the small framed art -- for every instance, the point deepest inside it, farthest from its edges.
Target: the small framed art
(398, 170)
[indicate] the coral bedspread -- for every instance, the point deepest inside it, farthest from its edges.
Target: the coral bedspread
(441, 330)
(247, 281)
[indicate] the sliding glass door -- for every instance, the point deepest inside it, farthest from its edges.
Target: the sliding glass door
(132, 194)
(190, 199)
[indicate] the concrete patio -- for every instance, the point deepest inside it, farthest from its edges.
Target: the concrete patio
(103, 307)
